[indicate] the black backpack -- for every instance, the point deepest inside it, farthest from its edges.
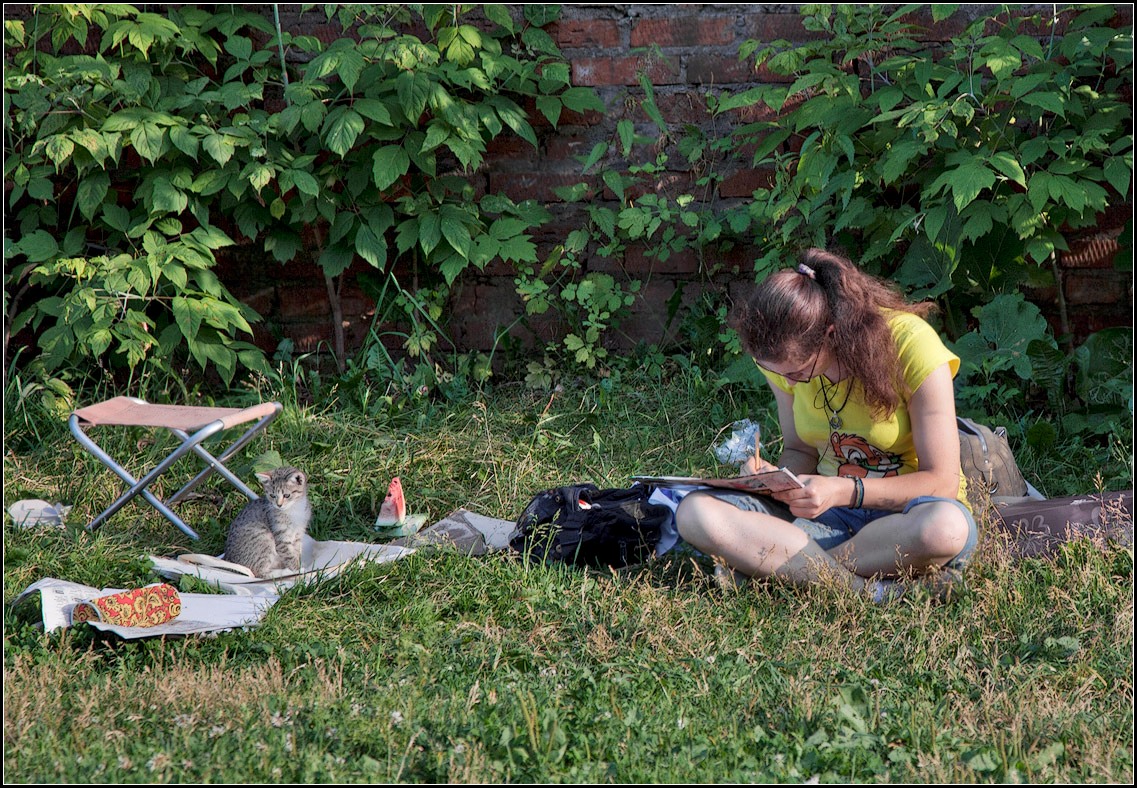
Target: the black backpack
(583, 525)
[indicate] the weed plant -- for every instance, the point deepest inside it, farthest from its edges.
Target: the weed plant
(447, 668)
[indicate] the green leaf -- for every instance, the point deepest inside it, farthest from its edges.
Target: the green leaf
(429, 232)
(499, 14)
(518, 249)
(626, 132)
(926, 270)
(305, 183)
(550, 107)
(1009, 323)
(452, 267)
(89, 196)
(211, 237)
(1007, 164)
(1119, 173)
(896, 161)
(413, 89)
(184, 141)
(436, 134)
(336, 259)
(941, 11)
(541, 14)
(389, 163)
(341, 128)
(59, 148)
(148, 139)
(1066, 190)
(350, 66)
(93, 142)
(370, 248)
(598, 151)
(373, 109)
(260, 175)
(514, 117)
(1028, 82)
(188, 314)
(582, 99)
(165, 198)
(453, 226)
(220, 147)
(977, 221)
(283, 244)
(1000, 57)
(965, 181)
(38, 246)
(1051, 102)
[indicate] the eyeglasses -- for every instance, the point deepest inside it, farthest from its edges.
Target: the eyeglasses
(796, 376)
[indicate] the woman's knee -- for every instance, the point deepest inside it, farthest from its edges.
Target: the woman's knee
(693, 516)
(941, 529)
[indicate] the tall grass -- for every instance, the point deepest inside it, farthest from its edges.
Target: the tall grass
(441, 667)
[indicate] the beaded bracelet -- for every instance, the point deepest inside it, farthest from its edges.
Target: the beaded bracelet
(860, 491)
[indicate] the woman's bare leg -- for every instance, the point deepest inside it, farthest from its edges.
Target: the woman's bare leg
(922, 540)
(757, 544)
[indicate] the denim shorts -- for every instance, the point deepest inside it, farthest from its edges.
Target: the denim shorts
(841, 523)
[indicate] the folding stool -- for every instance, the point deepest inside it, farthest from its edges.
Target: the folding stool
(191, 424)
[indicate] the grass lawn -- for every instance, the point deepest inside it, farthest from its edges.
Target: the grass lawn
(445, 668)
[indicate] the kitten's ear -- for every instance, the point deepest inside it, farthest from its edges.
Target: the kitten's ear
(299, 478)
(263, 477)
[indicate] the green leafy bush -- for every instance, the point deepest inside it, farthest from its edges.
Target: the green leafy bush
(172, 136)
(958, 169)
(981, 157)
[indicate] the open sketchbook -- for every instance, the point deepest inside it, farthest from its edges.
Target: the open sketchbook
(766, 482)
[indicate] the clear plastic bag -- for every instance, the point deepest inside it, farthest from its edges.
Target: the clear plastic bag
(741, 445)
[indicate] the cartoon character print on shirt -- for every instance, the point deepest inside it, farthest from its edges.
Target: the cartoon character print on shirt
(858, 457)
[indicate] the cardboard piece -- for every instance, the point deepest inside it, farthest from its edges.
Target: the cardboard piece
(465, 531)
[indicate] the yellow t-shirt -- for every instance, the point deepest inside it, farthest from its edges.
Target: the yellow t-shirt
(862, 446)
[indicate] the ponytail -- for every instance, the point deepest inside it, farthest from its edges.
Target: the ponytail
(790, 312)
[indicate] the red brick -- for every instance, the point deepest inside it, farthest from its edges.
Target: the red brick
(767, 28)
(261, 299)
(637, 263)
(745, 182)
(532, 185)
(647, 318)
(1095, 287)
(684, 32)
(307, 337)
(507, 146)
(578, 33)
(667, 184)
(600, 71)
(710, 69)
(565, 147)
(304, 300)
(686, 106)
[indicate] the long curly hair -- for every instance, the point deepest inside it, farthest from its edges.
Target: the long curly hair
(789, 314)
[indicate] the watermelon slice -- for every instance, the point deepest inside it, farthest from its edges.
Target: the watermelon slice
(394, 508)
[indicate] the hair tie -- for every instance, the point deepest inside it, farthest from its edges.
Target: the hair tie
(805, 270)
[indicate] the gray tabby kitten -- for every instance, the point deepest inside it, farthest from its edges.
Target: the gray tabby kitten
(265, 536)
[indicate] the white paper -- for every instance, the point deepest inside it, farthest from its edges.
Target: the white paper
(29, 513)
(200, 612)
(318, 560)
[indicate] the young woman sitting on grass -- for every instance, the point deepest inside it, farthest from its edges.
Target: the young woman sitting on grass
(867, 410)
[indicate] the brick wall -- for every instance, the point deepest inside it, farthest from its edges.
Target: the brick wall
(686, 50)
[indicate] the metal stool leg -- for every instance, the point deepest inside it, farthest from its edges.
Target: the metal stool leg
(216, 464)
(137, 486)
